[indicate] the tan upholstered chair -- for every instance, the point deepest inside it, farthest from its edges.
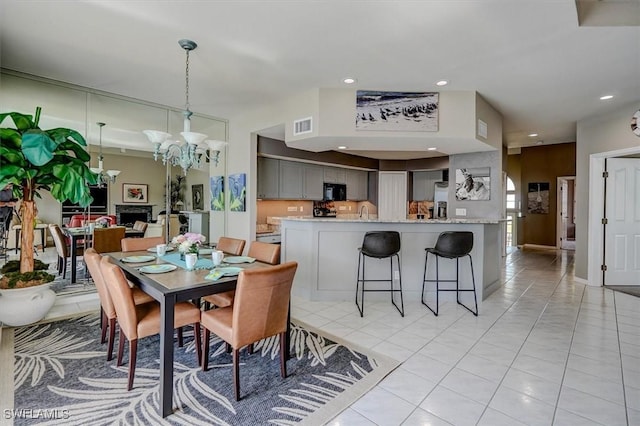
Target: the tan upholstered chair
(62, 248)
(263, 252)
(140, 226)
(92, 259)
(233, 246)
(106, 240)
(138, 321)
(137, 244)
(260, 310)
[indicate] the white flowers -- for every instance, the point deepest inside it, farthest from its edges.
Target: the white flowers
(189, 242)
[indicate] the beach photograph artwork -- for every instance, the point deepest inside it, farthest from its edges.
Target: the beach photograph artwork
(397, 111)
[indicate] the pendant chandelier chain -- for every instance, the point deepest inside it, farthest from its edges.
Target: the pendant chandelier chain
(187, 81)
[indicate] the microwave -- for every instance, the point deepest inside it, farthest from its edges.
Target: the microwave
(335, 192)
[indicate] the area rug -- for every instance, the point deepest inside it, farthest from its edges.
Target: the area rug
(63, 286)
(61, 376)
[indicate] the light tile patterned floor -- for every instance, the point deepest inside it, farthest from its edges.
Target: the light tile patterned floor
(545, 350)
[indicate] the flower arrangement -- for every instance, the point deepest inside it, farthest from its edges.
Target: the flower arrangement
(102, 222)
(188, 242)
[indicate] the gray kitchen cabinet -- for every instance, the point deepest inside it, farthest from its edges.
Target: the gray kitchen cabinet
(423, 184)
(313, 177)
(291, 184)
(300, 181)
(268, 178)
(335, 175)
(357, 185)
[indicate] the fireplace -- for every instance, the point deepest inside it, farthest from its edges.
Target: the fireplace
(127, 214)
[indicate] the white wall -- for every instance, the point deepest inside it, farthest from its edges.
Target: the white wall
(492, 208)
(598, 135)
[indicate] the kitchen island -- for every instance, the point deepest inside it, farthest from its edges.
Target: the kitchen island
(327, 254)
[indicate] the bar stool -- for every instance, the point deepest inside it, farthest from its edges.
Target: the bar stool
(380, 245)
(451, 245)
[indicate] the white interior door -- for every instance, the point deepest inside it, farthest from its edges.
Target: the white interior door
(392, 195)
(622, 231)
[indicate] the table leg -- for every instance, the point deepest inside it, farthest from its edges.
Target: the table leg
(42, 238)
(74, 248)
(17, 239)
(167, 308)
(288, 336)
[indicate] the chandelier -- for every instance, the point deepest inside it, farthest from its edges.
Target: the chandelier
(193, 151)
(104, 177)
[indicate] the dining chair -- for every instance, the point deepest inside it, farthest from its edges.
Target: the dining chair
(262, 252)
(139, 225)
(138, 321)
(109, 319)
(260, 310)
(233, 246)
(154, 230)
(137, 244)
(63, 250)
(106, 240)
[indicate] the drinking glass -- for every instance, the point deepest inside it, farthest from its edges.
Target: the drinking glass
(161, 249)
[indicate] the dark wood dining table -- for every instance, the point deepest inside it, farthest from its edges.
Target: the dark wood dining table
(168, 289)
(76, 235)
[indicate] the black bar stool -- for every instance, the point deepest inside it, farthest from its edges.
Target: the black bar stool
(380, 245)
(451, 245)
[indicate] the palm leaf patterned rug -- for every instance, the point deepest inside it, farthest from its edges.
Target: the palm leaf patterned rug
(61, 376)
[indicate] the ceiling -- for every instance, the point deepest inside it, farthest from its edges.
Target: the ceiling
(532, 60)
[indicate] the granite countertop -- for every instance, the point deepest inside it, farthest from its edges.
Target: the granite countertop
(425, 221)
(267, 233)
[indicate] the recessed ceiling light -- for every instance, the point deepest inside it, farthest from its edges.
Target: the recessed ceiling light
(342, 147)
(442, 83)
(533, 135)
(433, 148)
(606, 97)
(349, 80)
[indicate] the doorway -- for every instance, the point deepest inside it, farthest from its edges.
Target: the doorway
(566, 223)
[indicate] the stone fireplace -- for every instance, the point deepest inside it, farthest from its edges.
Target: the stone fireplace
(127, 214)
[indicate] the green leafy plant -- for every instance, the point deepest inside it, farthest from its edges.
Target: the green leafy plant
(14, 266)
(36, 160)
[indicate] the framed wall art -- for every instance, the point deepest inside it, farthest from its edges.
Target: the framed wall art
(237, 192)
(197, 196)
(217, 193)
(538, 197)
(135, 193)
(397, 111)
(473, 184)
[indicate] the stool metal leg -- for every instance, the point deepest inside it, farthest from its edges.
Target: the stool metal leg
(360, 309)
(400, 309)
(473, 282)
(425, 280)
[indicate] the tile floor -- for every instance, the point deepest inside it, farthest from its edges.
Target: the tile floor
(545, 350)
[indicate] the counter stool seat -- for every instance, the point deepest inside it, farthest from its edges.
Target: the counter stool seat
(451, 245)
(380, 245)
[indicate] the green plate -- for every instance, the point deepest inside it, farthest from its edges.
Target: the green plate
(138, 259)
(230, 271)
(158, 269)
(238, 259)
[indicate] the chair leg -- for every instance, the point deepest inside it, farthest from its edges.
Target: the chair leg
(236, 373)
(250, 348)
(180, 338)
(283, 357)
(64, 269)
(112, 338)
(473, 283)
(227, 347)
(205, 349)
(104, 324)
(196, 335)
(133, 352)
(121, 340)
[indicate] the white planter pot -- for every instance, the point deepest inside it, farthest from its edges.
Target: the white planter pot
(22, 306)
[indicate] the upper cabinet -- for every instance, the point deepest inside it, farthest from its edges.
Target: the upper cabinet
(335, 175)
(268, 178)
(424, 184)
(357, 185)
(300, 181)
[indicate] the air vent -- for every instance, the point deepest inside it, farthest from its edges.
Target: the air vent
(302, 126)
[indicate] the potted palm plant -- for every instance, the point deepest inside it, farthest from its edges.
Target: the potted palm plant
(35, 160)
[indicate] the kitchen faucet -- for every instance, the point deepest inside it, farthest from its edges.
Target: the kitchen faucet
(364, 207)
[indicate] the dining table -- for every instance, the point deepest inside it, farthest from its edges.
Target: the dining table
(76, 235)
(171, 287)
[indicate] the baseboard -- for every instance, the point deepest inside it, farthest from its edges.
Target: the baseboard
(539, 246)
